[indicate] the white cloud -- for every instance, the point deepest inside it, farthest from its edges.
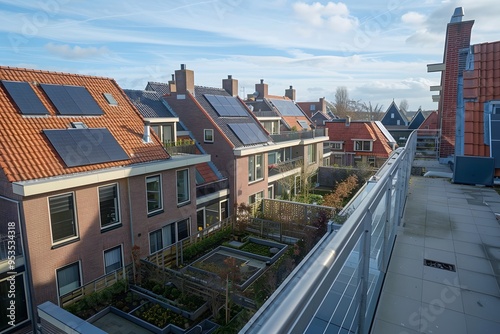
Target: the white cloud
(413, 18)
(334, 16)
(76, 52)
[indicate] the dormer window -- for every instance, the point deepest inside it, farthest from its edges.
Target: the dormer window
(363, 145)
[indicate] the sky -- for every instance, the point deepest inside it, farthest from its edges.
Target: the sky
(378, 50)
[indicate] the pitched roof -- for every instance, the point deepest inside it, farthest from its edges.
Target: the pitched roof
(361, 130)
(148, 102)
(431, 122)
(392, 115)
(159, 87)
(291, 121)
(224, 122)
(26, 152)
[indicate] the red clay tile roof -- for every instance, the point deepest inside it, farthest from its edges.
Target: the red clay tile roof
(431, 122)
(338, 131)
(26, 153)
(206, 172)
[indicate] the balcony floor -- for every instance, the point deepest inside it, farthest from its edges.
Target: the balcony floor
(454, 224)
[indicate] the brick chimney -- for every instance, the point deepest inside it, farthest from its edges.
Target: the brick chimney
(322, 104)
(171, 85)
(230, 85)
(290, 93)
(458, 35)
(262, 89)
(184, 80)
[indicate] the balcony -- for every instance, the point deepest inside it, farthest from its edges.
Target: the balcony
(414, 255)
(15, 246)
(181, 147)
(212, 187)
(299, 135)
(285, 166)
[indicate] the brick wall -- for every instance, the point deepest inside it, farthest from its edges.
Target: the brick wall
(457, 37)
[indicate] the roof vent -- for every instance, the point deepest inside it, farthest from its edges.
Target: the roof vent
(457, 15)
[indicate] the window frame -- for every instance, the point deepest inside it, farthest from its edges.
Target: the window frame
(312, 154)
(117, 209)
(121, 258)
(208, 135)
(167, 229)
(363, 141)
(76, 235)
(187, 186)
(160, 200)
(337, 145)
(80, 276)
(255, 170)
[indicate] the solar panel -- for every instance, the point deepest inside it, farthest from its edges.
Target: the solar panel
(287, 108)
(80, 147)
(226, 106)
(72, 100)
(248, 133)
(25, 98)
(303, 124)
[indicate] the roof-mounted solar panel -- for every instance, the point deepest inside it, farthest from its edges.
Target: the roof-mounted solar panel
(80, 147)
(287, 108)
(72, 100)
(248, 133)
(226, 106)
(25, 98)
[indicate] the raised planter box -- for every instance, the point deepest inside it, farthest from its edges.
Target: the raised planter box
(169, 304)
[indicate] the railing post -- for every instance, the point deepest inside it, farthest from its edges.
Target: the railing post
(364, 271)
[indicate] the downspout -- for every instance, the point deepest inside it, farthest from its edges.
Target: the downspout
(27, 267)
(130, 213)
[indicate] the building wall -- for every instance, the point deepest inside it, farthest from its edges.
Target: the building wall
(246, 188)
(45, 259)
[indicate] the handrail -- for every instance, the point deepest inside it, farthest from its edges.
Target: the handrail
(293, 305)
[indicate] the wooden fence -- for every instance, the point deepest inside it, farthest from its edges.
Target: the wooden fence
(95, 286)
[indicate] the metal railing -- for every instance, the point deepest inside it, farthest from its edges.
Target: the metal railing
(299, 135)
(336, 287)
(285, 166)
(15, 246)
(211, 187)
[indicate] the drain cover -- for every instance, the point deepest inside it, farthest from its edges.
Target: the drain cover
(439, 265)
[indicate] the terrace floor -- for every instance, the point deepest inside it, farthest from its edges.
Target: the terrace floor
(453, 224)
(114, 324)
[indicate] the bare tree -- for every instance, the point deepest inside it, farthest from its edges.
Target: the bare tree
(403, 105)
(342, 102)
(374, 112)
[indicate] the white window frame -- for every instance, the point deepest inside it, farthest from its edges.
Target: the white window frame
(363, 141)
(257, 196)
(337, 145)
(117, 203)
(312, 154)
(160, 208)
(187, 186)
(270, 189)
(166, 232)
(121, 258)
(208, 135)
(75, 219)
(254, 169)
(79, 274)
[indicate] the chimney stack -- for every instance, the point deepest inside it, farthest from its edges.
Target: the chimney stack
(262, 89)
(348, 121)
(171, 85)
(290, 93)
(146, 138)
(230, 85)
(184, 80)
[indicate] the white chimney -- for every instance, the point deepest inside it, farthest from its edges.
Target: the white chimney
(146, 138)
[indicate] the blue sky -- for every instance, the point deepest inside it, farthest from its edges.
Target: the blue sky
(377, 49)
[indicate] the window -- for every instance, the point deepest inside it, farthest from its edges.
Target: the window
(363, 145)
(371, 161)
(153, 192)
(108, 205)
(311, 153)
(338, 145)
(271, 126)
(168, 235)
(392, 115)
(270, 192)
(182, 186)
(208, 135)
(113, 259)
(255, 167)
(68, 278)
(164, 131)
(312, 107)
(62, 218)
(252, 199)
(398, 122)
(19, 298)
